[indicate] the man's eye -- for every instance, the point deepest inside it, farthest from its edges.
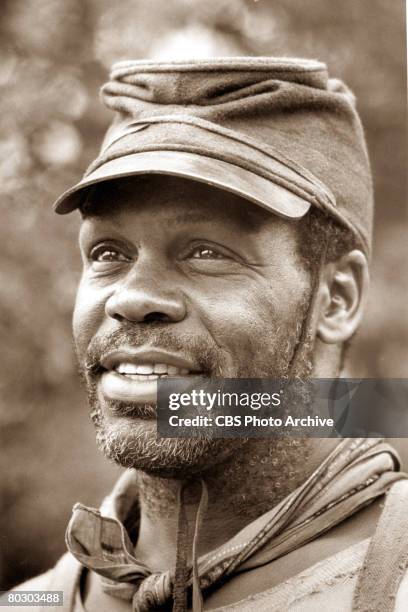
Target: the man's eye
(206, 253)
(107, 255)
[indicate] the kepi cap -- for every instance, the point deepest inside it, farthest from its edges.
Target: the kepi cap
(276, 131)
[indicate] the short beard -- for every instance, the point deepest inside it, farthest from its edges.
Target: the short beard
(132, 442)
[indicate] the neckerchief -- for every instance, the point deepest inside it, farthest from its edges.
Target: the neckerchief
(355, 473)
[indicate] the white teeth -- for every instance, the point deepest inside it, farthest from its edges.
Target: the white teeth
(149, 371)
(173, 371)
(144, 369)
(127, 368)
(146, 377)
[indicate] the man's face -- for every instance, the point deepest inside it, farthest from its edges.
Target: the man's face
(180, 279)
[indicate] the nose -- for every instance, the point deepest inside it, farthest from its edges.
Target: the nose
(142, 299)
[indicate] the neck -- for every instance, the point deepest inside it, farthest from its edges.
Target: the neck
(240, 489)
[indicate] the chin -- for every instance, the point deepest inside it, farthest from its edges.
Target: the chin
(133, 443)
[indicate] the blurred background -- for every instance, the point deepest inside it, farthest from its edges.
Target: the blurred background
(54, 55)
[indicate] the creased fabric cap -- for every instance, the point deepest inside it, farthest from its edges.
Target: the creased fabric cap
(276, 131)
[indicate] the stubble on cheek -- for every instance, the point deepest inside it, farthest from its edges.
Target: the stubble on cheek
(273, 339)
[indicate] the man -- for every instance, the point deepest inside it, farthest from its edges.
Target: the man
(226, 230)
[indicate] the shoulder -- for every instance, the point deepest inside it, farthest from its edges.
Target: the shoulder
(64, 576)
(38, 583)
(327, 585)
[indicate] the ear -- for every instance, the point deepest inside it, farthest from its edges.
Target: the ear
(343, 290)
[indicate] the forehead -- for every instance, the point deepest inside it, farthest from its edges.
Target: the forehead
(180, 199)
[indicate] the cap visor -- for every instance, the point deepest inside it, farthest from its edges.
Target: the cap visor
(207, 170)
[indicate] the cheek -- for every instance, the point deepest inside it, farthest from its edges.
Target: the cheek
(249, 313)
(88, 316)
(233, 316)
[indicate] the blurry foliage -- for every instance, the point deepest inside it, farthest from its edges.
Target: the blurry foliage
(54, 55)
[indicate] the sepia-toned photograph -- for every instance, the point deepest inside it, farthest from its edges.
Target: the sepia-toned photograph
(204, 388)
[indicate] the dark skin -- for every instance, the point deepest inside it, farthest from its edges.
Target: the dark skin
(206, 263)
(218, 292)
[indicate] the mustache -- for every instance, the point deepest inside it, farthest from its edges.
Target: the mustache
(200, 349)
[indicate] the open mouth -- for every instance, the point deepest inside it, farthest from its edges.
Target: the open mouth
(132, 375)
(149, 371)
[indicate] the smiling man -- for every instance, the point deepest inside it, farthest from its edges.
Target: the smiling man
(226, 230)
(186, 281)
